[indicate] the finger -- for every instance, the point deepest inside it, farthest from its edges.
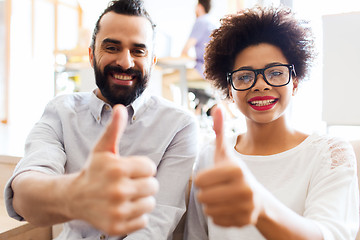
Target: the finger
(138, 207)
(144, 187)
(230, 221)
(130, 226)
(224, 193)
(242, 218)
(132, 216)
(139, 166)
(219, 175)
(229, 209)
(132, 189)
(111, 137)
(218, 118)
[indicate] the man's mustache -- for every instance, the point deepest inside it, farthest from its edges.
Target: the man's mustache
(119, 69)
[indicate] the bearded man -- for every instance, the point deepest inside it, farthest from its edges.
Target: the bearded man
(95, 160)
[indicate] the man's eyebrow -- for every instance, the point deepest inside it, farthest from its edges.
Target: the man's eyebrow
(113, 41)
(109, 40)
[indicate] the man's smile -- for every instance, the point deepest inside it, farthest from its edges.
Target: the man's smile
(122, 79)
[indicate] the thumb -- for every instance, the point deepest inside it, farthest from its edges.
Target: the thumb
(113, 132)
(220, 148)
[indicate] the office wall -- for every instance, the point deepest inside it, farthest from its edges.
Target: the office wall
(341, 64)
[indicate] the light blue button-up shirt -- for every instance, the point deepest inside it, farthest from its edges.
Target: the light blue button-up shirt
(71, 125)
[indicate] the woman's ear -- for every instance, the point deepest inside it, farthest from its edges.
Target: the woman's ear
(230, 93)
(295, 85)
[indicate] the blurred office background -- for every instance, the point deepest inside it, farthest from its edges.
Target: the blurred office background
(43, 53)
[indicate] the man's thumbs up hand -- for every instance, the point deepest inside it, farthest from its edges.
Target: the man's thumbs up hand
(111, 137)
(226, 190)
(112, 192)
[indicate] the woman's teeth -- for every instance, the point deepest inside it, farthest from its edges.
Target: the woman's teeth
(263, 102)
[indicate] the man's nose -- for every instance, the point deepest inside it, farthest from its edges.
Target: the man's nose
(125, 59)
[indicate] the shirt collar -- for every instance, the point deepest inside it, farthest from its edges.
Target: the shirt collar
(98, 106)
(139, 102)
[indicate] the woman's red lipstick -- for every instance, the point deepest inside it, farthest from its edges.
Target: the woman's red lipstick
(262, 103)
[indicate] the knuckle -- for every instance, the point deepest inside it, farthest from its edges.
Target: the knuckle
(248, 193)
(122, 213)
(241, 221)
(119, 193)
(122, 193)
(116, 171)
(235, 171)
(149, 204)
(114, 228)
(152, 202)
(151, 185)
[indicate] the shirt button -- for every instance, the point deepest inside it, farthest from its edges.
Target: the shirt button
(107, 107)
(98, 118)
(102, 237)
(134, 118)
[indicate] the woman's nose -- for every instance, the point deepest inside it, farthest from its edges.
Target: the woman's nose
(261, 84)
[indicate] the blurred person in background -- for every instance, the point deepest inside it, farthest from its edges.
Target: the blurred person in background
(199, 37)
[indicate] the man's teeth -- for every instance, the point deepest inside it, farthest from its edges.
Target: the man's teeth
(122, 77)
(262, 102)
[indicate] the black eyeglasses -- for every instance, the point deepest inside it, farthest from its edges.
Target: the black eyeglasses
(245, 78)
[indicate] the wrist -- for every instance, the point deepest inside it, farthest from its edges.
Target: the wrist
(68, 191)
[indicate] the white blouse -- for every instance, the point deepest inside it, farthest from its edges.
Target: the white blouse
(317, 179)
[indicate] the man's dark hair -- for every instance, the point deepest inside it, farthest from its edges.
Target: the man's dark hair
(276, 26)
(206, 4)
(126, 7)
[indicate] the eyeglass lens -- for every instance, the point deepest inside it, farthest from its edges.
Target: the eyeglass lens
(276, 76)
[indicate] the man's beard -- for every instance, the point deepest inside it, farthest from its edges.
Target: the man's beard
(116, 94)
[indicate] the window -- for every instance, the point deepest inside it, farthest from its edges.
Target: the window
(39, 28)
(4, 66)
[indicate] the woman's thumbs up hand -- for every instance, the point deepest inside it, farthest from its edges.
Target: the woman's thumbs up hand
(226, 190)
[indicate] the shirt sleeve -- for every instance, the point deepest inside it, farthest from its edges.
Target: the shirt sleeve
(333, 197)
(197, 32)
(173, 174)
(44, 152)
(196, 227)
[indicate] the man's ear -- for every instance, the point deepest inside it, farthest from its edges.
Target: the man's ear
(91, 57)
(295, 85)
(154, 60)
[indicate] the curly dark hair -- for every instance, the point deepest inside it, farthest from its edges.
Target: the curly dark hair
(276, 26)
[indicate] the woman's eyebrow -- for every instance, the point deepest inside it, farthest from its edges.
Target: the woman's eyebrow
(140, 45)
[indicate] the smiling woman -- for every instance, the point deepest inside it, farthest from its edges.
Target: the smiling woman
(243, 180)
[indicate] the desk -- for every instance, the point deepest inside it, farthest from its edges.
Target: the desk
(11, 229)
(181, 64)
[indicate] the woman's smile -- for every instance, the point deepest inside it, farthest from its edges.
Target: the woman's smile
(263, 103)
